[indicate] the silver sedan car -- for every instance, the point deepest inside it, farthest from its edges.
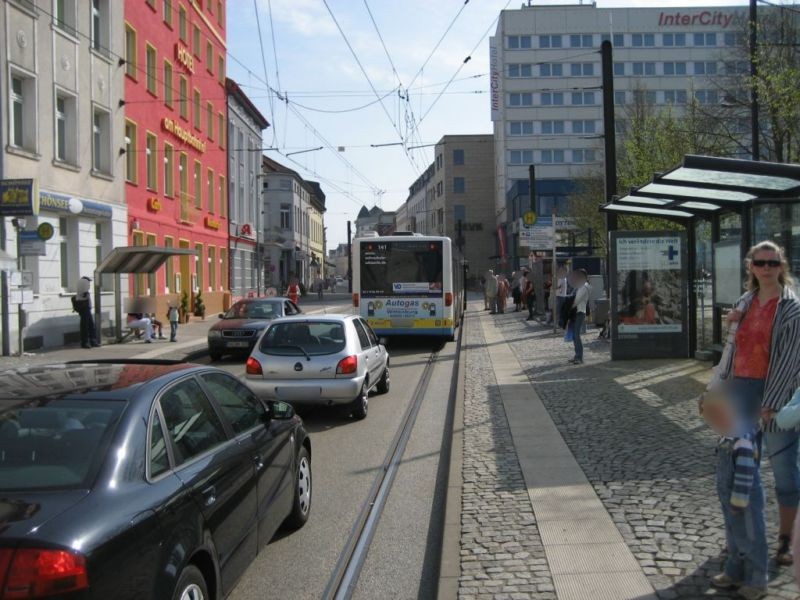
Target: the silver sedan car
(321, 359)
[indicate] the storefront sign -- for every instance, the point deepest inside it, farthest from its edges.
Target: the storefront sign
(51, 201)
(18, 197)
(705, 18)
(246, 230)
(184, 135)
(211, 222)
(184, 57)
(154, 204)
(45, 231)
(495, 77)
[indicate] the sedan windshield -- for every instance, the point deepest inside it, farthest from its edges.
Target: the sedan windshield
(253, 310)
(58, 444)
(303, 338)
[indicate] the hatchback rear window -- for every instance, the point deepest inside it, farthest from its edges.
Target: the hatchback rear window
(298, 338)
(59, 444)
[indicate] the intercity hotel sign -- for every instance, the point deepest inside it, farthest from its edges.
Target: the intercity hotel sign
(716, 18)
(184, 135)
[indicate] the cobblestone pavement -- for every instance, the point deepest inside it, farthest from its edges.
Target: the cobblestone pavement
(502, 556)
(634, 430)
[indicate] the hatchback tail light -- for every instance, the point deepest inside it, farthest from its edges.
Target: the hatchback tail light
(34, 573)
(347, 366)
(253, 367)
(448, 299)
(355, 300)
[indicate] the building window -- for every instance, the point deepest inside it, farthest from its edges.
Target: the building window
(64, 16)
(183, 170)
(151, 60)
(583, 156)
(458, 157)
(619, 69)
(586, 126)
(644, 68)
(520, 157)
(551, 127)
(101, 141)
(459, 186)
(520, 70)
(644, 97)
(582, 98)
(100, 27)
(220, 16)
(552, 98)
(168, 13)
(170, 268)
(210, 120)
(734, 39)
(675, 96)
(582, 69)
(63, 234)
(706, 96)
(552, 156)
(169, 170)
(619, 98)
(182, 24)
(131, 152)
(221, 129)
(705, 68)
(705, 39)
(131, 46)
(521, 99)
(674, 68)
(168, 83)
(618, 40)
(196, 107)
(520, 128)
(183, 98)
(674, 39)
(210, 185)
(639, 40)
(66, 128)
(212, 268)
(517, 42)
(223, 204)
(580, 41)
(550, 41)
(198, 182)
(285, 223)
(551, 70)
(151, 277)
(198, 265)
(209, 57)
(221, 69)
(152, 161)
(196, 40)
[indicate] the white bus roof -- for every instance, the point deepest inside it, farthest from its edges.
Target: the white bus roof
(405, 238)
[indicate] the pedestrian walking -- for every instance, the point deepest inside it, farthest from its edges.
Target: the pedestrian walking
(82, 304)
(319, 285)
(293, 291)
(580, 281)
(562, 292)
(158, 326)
(517, 282)
(741, 497)
(529, 295)
(491, 291)
(760, 370)
(548, 309)
(173, 316)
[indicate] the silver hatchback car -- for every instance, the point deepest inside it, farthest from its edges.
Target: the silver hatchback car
(322, 359)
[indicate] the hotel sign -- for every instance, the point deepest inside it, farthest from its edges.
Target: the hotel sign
(704, 18)
(153, 204)
(184, 57)
(184, 135)
(495, 79)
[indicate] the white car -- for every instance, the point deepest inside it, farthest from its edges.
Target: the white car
(320, 359)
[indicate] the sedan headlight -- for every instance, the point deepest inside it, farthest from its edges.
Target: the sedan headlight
(214, 333)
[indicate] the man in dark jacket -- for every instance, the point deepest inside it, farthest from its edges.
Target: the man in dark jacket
(82, 304)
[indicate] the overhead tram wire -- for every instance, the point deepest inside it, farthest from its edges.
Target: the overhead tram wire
(345, 110)
(266, 76)
(371, 85)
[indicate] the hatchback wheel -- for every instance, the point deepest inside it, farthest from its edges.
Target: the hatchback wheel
(301, 508)
(361, 404)
(384, 383)
(191, 585)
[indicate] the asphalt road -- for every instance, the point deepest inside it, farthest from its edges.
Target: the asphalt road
(346, 458)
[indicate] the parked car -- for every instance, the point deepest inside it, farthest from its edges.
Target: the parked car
(141, 479)
(320, 359)
(238, 329)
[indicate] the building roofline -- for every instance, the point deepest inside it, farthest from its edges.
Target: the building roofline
(234, 90)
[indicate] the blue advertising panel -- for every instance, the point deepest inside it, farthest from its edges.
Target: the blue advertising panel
(18, 197)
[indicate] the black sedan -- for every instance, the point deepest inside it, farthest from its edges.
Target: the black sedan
(238, 329)
(141, 479)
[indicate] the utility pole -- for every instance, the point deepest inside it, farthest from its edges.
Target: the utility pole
(349, 259)
(754, 129)
(610, 141)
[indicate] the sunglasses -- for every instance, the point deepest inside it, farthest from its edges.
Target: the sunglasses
(767, 263)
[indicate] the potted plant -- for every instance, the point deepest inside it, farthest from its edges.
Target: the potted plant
(183, 308)
(199, 305)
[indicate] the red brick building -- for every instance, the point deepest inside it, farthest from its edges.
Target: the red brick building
(175, 145)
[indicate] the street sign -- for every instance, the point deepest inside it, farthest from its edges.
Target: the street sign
(538, 237)
(30, 244)
(529, 218)
(45, 231)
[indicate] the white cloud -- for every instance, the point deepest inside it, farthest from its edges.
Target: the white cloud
(306, 17)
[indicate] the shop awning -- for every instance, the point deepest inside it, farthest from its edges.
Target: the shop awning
(704, 185)
(139, 259)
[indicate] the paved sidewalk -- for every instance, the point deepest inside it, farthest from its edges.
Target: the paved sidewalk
(632, 430)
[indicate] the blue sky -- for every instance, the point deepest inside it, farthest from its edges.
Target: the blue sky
(314, 68)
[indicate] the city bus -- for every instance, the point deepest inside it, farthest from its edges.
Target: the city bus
(408, 284)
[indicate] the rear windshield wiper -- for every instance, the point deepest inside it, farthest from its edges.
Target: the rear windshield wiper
(307, 355)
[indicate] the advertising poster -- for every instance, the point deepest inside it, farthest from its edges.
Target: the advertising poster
(649, 294)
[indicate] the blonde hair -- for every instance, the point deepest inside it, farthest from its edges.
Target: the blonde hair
(785, 279)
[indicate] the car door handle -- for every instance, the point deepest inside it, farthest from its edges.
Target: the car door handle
(259, 460)
(210, 495)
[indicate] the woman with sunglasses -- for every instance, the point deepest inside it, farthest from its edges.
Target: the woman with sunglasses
(764, 371)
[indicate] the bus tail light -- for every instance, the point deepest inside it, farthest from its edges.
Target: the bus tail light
(253, 367)
(347, 366)
(355, 300)
(34, 573)
(448, 299)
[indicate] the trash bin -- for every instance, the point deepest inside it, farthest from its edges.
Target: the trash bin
(600, 313)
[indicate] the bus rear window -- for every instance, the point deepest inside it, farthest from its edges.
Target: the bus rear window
(401, 268)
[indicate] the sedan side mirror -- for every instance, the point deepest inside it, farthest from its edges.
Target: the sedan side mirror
(282, 411)
(383, 341)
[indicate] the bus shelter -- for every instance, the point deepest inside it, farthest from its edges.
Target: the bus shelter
(130, 260)
(725, 206)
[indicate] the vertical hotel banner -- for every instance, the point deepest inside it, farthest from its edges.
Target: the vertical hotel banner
(649, 294)
(495, 78)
